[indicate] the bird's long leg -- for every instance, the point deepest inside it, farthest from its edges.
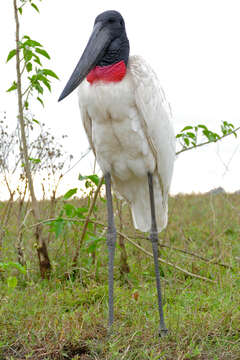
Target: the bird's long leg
(154, 240)
(111, 243)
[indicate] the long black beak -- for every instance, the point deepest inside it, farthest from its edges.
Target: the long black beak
(98, 42)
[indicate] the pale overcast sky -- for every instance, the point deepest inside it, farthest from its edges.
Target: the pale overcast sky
(193, 45)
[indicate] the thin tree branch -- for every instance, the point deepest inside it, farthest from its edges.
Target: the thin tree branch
(210, 261)
(208, 142)
(78, 161)
(21, 118)
(44, 262)
(165, 261)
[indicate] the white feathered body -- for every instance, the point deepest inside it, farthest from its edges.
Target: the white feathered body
(128, 124)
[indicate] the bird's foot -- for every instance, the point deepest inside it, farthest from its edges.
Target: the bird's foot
(111, 331)
(162, 332)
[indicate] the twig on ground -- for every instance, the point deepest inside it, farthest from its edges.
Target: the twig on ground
(210, 261)
(137, 246)
(167, 262)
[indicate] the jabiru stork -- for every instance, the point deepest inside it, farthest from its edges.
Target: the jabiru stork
(128, 124)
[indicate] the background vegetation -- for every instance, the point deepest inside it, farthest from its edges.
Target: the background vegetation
(65, 317)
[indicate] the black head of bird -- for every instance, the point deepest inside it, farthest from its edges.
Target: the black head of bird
(107, 45)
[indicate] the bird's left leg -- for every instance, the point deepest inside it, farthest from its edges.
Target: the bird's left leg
(154, 240)
(111, 243)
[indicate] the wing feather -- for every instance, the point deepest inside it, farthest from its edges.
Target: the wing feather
(155, 114)
(87, 123)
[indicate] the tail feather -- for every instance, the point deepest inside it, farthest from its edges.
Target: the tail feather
(137, 194)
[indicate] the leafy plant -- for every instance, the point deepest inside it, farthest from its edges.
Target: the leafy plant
(6, 267)
(189, 136)
(31, 53)
(72, 219)
(28, 54)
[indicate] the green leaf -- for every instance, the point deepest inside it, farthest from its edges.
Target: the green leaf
(70, 210)
(20, 10)
(36, 121)
(224, 130)
(12, 264)
(45, 82)
(81, 177)
(88, 184)
(37, 59)
(203, 127)
(57, 226)
(30, 42)
(12, 282)
(92, 243)
(37, 86)
(34, 161)
(69, 193)
(40, 100)
(186, 128)
(227, 124)
(94, 178)
(11, 54)
(191, 135)
(13, 87)
(42, 52)
(35, 7)
(26, 104)
(27, 54)
(29, 67)
(50, 73)
(80, 212)
(179, 135)
(187, 142)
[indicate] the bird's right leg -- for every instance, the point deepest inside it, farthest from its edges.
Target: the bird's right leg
(154, 240)
(111, 243)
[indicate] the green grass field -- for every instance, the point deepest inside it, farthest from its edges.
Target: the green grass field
(66, 316)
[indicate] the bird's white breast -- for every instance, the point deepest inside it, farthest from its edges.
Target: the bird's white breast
(117, 135)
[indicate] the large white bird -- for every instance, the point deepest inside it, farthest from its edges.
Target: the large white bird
(128, 123)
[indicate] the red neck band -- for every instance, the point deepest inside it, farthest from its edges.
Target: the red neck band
(109, 73)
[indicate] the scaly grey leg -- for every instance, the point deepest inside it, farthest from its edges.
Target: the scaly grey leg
(111, 243)
(154, 240)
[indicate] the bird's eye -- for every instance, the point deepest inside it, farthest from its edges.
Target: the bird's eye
(121, 23)
(111, 21)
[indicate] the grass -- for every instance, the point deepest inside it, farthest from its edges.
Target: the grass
(66, 318)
